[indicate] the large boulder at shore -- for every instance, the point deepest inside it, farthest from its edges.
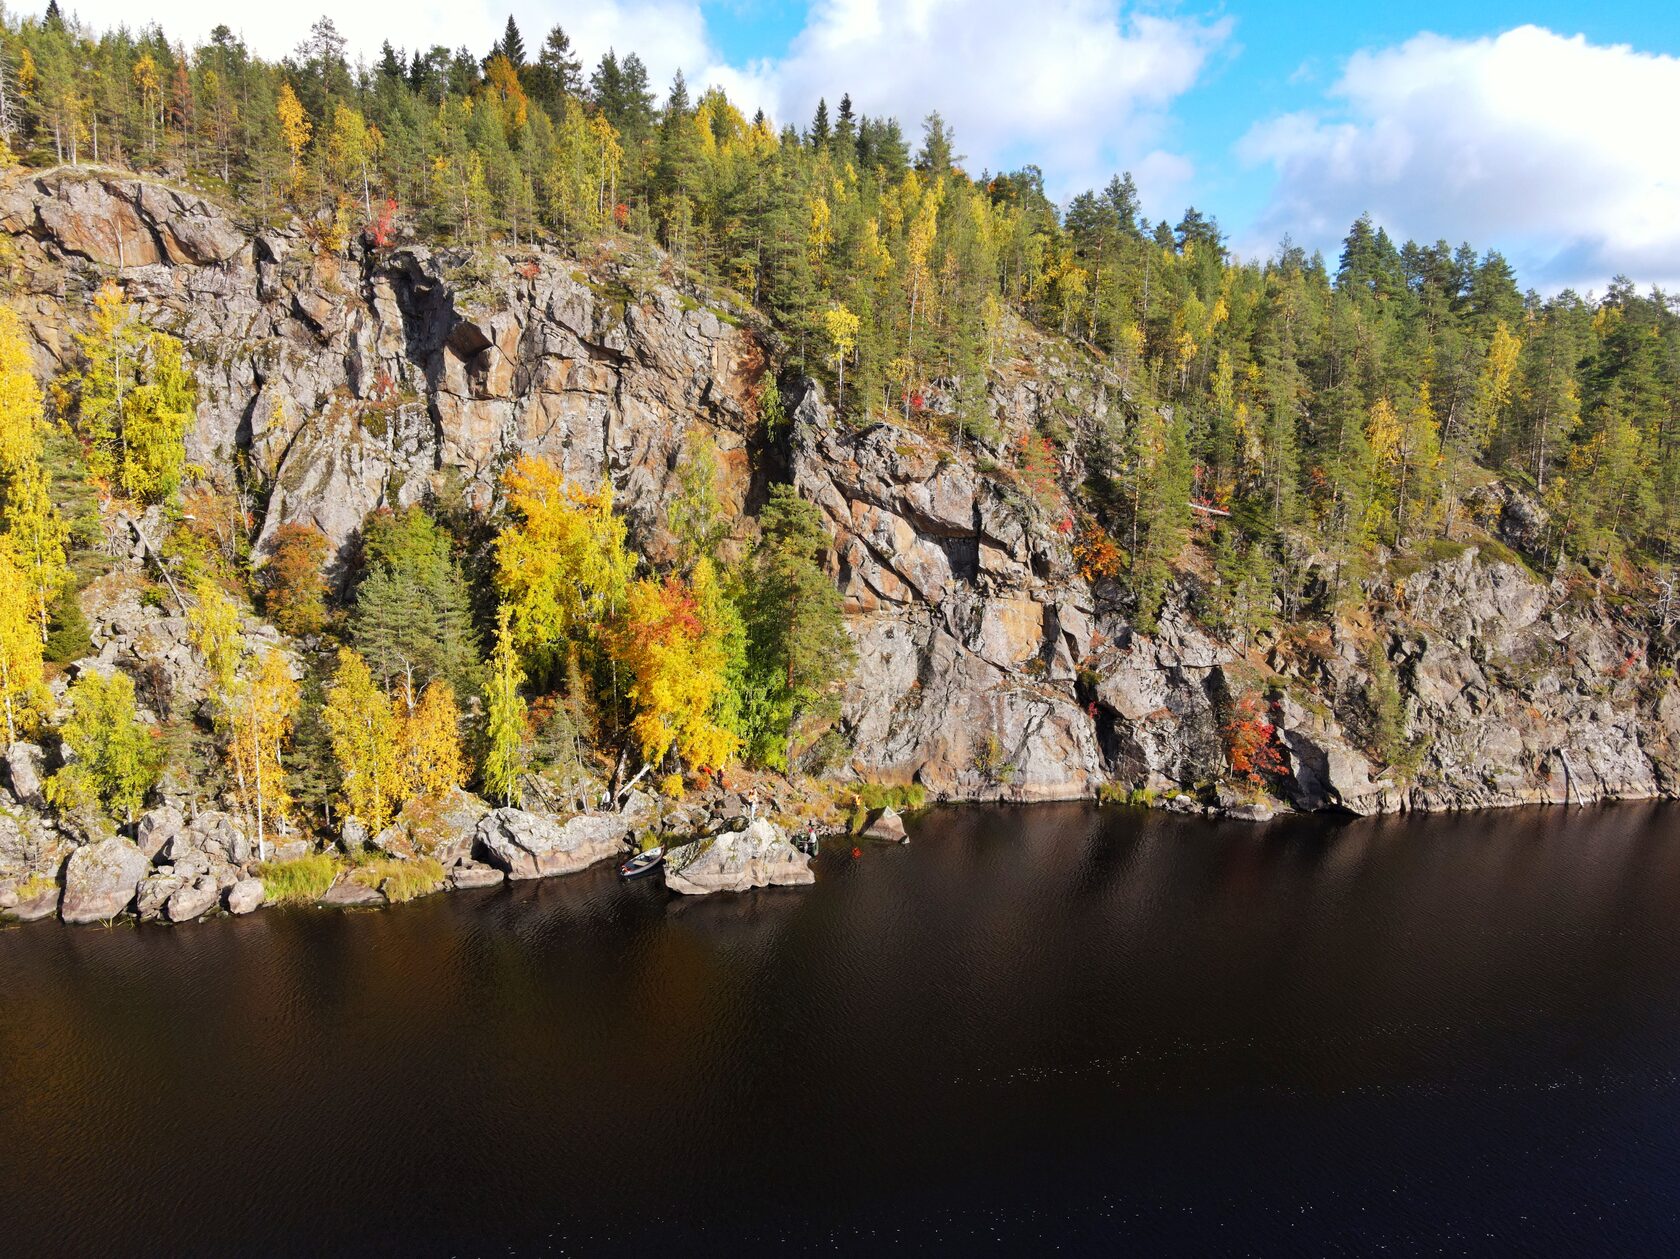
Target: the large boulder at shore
(194, 900)
(245, 896)
(472, 874)
(887, 825)
(530, 846)
(101, 879)
(348, 893)
(154, 893)
(443, 829)
(34, 908)
(735, 861)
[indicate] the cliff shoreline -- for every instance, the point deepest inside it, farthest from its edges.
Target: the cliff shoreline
(991, 665)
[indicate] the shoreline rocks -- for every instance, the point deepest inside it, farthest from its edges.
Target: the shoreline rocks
(531, 846)
(737, 861)
(101, 880)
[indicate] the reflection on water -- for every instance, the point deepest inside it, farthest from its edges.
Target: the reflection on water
(1056, 1025)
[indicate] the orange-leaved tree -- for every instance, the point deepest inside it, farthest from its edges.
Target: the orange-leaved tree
(672, 644)
(1251, 743)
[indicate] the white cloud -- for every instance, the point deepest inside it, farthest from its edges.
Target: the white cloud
(1554, 150)
(1078, 87)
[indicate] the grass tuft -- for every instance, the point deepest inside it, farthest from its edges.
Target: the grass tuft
(301, 881)
(400, 880)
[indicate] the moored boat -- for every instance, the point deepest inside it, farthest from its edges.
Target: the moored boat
(642, 863)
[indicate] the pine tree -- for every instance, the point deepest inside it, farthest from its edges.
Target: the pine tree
(412, 617)
(796, 633)
(512, 46)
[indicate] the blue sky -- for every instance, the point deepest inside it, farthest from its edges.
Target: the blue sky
(1545, 129)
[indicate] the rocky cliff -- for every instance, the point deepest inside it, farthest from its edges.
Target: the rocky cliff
(333, 384)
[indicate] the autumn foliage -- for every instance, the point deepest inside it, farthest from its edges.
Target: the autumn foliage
(296, 591)
(1095, 553)
(1251, 743)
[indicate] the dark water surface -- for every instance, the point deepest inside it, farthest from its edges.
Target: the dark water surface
(1032, 1028)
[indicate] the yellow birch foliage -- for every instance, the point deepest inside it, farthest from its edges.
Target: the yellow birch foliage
(363, 730)
(23, 692)
(294, 124)
(262, 715)
(213, 627)
(672, 644)
(433, 764)
(561, 562)
(36, 536)
(20, 399)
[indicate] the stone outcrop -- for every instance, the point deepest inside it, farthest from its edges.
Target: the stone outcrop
(349, 893)
(532, 846)
(737, 861)
(444, 830)
(968, 621)
(21, 771)
(473, 874)
(101, 879)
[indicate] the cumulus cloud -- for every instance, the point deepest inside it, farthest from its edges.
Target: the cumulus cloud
(1080, 87)
(1557, 151)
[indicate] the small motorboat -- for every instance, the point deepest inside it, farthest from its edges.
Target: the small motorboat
(642, 863)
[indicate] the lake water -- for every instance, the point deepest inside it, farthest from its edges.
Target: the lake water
(1031, 1029)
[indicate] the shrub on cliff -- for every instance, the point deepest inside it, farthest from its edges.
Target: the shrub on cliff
(295, 593)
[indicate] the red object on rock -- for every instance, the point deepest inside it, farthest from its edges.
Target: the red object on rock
(857, 852)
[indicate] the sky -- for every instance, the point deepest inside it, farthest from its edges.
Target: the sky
(1547, 130)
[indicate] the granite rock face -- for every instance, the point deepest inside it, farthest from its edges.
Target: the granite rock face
(988, 665)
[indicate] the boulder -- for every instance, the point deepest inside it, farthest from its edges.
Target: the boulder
(156, 828)
(393, 841)
(443, 829)
(33, 908)
(887, 824)
(101, 880)
(1325, 771)
(154, 893)
(758, 856)
(245, 896)
(291, 850)
(22, 769)
(1243, 807)
(348, 892)
(531, 846)
(472, 874)
(354, 835)
(194, 900)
